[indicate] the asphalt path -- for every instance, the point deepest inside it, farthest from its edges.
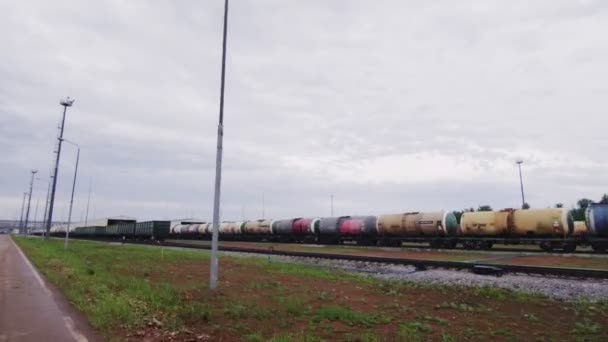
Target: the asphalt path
(30, 308)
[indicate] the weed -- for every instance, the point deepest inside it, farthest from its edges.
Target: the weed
(324, 295)
(531, 317)
(235, 311)
(413, 331)
(390, 287)
(437, 320)
(505, 332)
(195, 311)
(447, 338)
(585, 328)
(260, 313)
(295, 306)
(367, 336)
(255, 337)
(348, 316)
(265, 285)
(491, 292)
(295, 338)
(464, 307)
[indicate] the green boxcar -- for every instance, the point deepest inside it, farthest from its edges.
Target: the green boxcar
(157, 230)
(125, 229)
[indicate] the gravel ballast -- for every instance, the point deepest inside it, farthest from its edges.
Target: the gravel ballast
(553, 287)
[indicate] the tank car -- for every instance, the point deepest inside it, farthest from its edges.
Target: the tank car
(257, 227)
(392, 228)
(596, 217)
(359, 228)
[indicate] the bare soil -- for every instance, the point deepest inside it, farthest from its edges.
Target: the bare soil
(255, 302)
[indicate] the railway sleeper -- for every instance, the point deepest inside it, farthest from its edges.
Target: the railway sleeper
(487, 270)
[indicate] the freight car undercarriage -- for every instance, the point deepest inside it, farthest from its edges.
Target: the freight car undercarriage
(471, 243)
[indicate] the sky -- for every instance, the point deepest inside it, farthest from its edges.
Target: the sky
(389, 106)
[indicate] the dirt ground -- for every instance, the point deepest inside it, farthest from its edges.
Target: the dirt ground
(270, 303)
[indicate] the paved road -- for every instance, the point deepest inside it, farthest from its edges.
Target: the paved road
(30, 310)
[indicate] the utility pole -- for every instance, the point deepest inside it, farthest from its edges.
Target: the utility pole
(263, 207)
(214, 267)
(22, 210)
(86, 217)
(29, 202)
(36, 212)
(67, 231)
(46, 205)
(65, 103)
(521, 182)
(332, 205)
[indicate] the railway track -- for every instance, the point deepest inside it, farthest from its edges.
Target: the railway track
(420, 264)
(427, 248)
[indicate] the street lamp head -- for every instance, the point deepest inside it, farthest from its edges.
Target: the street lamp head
(67, 102)
(34, 171)
(519, 161)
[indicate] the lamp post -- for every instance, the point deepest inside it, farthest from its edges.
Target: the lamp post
(521, 183)
(65, 103)
(86, 217)
(46, 203)
(22, 209)
(214, 267)
(29, 202)
(67, 231)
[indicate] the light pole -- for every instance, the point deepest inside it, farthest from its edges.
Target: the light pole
(22, 209)
(67, 231)
(29, 202)
(36, 212)
(86, 217)
(214, 267)
(46, 203)
(521, 182)
(65, 103)
(332, 204)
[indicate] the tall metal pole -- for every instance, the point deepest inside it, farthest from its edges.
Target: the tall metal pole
(22, 211)
(332, 205)
(66, 103)
(521, 182)
(46, 204)
(263, 207)
(29, 202)
(36, 212)
(86, 217)
(67, 231)
(214, 268)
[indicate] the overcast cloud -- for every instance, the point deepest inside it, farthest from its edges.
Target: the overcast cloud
(388, 105)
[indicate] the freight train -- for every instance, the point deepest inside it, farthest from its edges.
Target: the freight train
(551, 229)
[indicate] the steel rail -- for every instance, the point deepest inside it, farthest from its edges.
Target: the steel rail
(418, 263)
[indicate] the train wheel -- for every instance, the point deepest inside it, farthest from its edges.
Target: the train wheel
(468, 245)
(450, 244)
(484, 245)
(546, 246)
(569, 247)
(598, 248)
(435, 244)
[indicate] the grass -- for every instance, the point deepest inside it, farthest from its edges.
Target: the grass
(125, 289)
(107, 299)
